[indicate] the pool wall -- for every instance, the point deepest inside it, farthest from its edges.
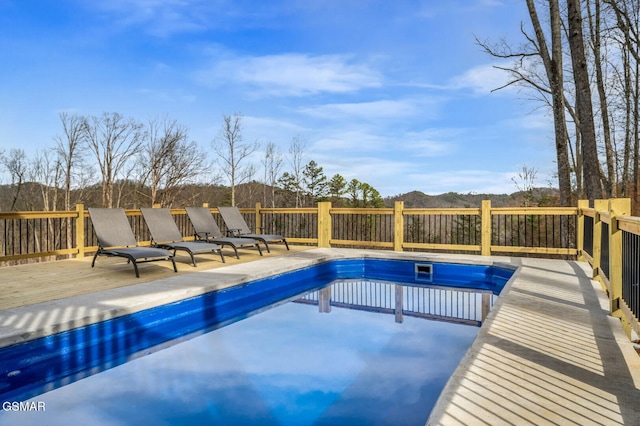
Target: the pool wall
(34, 366)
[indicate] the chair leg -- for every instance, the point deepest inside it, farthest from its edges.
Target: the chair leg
(175, 268)
(222, 256)
(135, 267)
(285, 244)
(93, 262)
(259, 249)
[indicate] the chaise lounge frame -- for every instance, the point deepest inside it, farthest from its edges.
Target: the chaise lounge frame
(206, 229)
(115, 238)
(238, 227)
(165, 234)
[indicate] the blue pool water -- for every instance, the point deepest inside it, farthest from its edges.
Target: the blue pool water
(363, 352)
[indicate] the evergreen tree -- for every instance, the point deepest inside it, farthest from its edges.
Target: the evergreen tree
(363, 195)
(337, 187)
(353, 191)
(370, 196)
(290, 187)
(315, 182)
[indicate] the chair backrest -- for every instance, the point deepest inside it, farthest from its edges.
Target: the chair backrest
(112, 228)
(203, 222)
(161, 225)
(234, 220)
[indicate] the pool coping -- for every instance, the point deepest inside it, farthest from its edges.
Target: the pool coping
(24, 323)
(552, 300)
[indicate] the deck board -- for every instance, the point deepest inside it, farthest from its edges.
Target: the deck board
(25, 285)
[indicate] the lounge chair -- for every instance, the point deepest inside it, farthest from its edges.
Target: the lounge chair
(115, 238)
(206, 229)
(165, 234)
(238, 227)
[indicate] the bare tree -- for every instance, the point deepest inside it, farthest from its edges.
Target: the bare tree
(114, 141)
(296, 153)
(549, 88)
(169, 160)
(232, 152)
(68, 148)
(17, 165)
(595, 32)
(627, 18)
(272, 163)
(46, 170)
(525, 182)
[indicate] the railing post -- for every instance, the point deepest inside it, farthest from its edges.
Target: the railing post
(399, 309)
(398, 225)
(485, 235)
(80, 229)
(598, 205)
(324, 224)
(258, 227)
(617, 207)
(582, 204)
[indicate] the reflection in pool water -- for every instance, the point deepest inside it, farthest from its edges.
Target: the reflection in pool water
(346, 355)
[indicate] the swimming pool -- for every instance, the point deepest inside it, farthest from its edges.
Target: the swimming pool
(49, 363)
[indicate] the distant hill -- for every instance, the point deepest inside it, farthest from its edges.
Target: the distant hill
(250, 193)
(417, 199)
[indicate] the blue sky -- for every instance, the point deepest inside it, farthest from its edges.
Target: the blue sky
(392, 93)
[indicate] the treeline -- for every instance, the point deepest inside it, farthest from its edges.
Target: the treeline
(581, 60)
(116, 161)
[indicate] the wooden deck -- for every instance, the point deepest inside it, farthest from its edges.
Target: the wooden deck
(25, 285)
(548, 353)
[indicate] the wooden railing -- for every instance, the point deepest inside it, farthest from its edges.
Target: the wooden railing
(603, 235)
(485, 230)
(609, 240)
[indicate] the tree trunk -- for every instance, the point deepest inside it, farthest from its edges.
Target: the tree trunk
(594, 25)
(553, 67)
(584, 107)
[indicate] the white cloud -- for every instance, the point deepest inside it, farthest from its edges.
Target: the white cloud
(161, 18)
(351, 142)
(354, 141)
(278, 131)
(292, 74)
(538, 120)
(481, 79)
(478, 181)
(368, 110)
